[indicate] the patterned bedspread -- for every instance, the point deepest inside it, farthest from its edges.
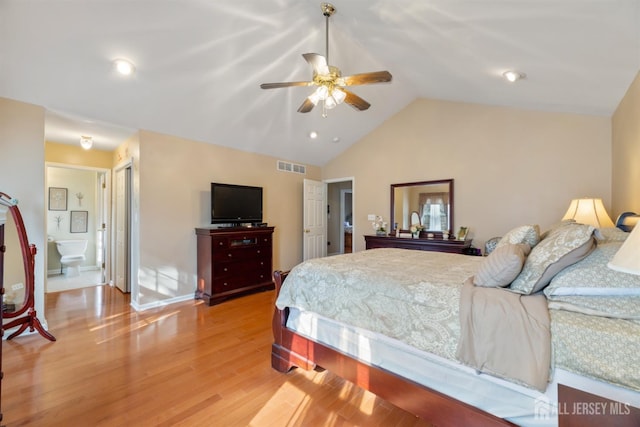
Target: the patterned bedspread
(408, 295)
(598, 347)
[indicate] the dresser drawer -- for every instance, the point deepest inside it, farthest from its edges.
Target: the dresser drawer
(238, 254)
(245, 240)
(237, 268)
(247, 277)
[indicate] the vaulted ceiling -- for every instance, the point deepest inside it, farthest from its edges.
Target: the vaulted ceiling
(200, 63)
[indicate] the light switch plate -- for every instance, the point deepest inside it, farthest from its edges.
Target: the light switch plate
(371, 217)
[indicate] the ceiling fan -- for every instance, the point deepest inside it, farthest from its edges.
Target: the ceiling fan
(331, 85)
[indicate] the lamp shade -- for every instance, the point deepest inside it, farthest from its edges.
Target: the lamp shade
(627, 259)
(588, 211)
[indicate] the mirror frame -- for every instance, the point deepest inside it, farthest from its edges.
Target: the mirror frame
(392, 220)
(28, 259)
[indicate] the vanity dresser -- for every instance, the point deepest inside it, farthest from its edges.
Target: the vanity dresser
(422, 244)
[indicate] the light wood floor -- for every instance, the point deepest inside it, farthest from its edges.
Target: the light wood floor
(183, 365)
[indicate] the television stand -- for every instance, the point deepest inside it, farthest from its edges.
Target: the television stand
(233, 261)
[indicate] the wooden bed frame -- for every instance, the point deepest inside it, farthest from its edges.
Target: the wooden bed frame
(291, 350)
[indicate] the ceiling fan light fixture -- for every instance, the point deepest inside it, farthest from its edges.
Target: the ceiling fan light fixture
(328, 80)
(330, 103)
(86, 142)
(322, 92)
(339, 95)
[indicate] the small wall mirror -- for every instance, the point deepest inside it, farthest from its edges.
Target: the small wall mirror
(432, 201)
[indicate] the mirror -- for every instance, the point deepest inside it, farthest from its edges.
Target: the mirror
(18, 272)
(415, 218)
(14, 273)
(431, 200)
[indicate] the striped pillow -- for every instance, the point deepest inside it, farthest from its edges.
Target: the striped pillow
(502, 265)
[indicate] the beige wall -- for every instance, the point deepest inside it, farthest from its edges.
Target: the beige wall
(22, 176)
(626, 152)
(77, 156)
(175, 177)
(511, 167)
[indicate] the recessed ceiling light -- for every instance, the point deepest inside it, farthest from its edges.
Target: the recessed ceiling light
(124, 66)
(513, 75)
(336, 139)
(313, 134)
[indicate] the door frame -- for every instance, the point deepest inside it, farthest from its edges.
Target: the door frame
(352, 180)
(124, 166)
(105, 210)
(343, 194)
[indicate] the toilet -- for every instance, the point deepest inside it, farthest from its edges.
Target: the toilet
(71, 255)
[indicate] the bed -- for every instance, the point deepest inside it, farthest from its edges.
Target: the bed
(397, 323)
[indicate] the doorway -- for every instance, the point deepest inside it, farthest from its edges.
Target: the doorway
(340, 216)
(122, 228)
(77, 211)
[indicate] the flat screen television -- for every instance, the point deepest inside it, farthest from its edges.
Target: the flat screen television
(235, 204)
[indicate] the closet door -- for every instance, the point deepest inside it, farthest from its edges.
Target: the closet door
(122, 276)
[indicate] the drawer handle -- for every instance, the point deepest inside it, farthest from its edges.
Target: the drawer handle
(261, 263)
(226, 269)
(229, 255)
(258, 251)
(225, 284)
(220, 243)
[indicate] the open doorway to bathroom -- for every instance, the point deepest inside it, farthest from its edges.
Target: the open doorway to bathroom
(77, 219)
(339, 216)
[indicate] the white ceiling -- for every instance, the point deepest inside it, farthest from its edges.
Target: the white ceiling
(200, 63)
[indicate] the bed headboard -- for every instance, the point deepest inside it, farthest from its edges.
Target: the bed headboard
(627, 220)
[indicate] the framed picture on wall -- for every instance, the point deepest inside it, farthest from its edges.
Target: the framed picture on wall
(79, 221)
(57, 199)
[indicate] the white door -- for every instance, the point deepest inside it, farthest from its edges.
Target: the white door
(314, 209)
(122, 239)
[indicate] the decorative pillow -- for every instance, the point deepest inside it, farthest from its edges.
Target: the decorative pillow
(563, 247)
(611, 234)
(529, 234)
(591, 276)
(501, 266)
(556, 226)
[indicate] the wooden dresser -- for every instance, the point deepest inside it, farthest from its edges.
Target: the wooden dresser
(2, 250)
(233, 261)
(437, 245)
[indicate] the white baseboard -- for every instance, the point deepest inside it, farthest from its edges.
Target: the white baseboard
(163, 303)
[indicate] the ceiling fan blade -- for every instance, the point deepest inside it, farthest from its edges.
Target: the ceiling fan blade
(318, 62)
(355, 101)
(367, 78)
(284, 84)
(306, 106)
